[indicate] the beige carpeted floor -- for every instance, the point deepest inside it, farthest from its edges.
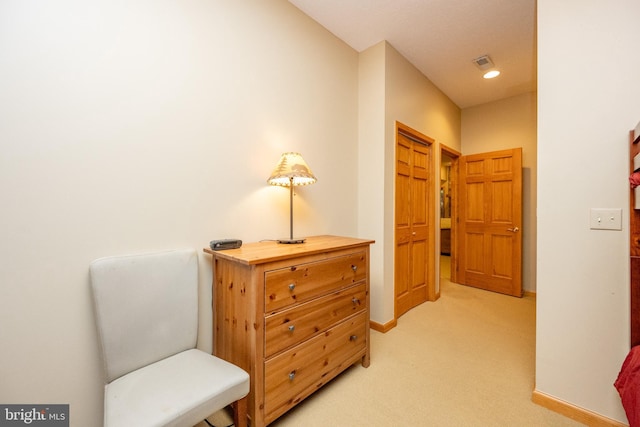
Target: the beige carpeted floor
(464, 360)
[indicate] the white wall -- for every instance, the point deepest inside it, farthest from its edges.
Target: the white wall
(505, 124)
(410, 98)
(588, 100)
(137, 126)
(371, 163)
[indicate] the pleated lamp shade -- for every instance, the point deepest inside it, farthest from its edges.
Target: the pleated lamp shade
(291, 170)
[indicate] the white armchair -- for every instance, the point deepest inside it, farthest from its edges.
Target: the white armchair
(146, 310)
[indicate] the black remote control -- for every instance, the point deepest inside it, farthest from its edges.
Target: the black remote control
(221, 244)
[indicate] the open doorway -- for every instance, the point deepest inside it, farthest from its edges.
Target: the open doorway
(448, 208)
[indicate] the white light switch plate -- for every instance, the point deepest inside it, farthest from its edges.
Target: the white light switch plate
(605, 219)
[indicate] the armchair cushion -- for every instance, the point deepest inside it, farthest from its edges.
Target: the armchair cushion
(177, 391)
(146, 307)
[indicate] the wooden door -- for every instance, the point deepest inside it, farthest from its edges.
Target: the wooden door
(414, 247)
(490, 209)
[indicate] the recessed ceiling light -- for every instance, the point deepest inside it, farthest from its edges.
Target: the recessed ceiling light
(491, 74)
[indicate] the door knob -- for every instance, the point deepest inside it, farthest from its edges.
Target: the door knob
(513, 230)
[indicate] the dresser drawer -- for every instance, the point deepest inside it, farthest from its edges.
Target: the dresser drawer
(302, 282)
(294, 325)
(298, 372)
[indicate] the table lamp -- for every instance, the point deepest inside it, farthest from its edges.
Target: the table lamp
(291, 170)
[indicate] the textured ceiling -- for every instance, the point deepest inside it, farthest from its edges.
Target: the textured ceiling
(442, 37)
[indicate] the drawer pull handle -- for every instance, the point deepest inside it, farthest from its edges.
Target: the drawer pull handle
(354, 267)
(353, 337)
(292, 286)
(355, 301)
(292, 328)
(292, 375)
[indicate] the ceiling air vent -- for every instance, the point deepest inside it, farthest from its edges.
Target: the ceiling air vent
(483, 62)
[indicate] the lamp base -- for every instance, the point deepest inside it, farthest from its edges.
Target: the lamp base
(291, 241)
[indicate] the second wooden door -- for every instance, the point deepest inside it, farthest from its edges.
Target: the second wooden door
(490, 245)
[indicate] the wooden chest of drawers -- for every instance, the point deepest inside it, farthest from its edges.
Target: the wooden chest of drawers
(293, 316)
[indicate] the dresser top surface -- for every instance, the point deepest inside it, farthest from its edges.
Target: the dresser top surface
(267, 251)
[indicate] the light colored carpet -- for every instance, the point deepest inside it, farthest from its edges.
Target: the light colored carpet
(464, 360)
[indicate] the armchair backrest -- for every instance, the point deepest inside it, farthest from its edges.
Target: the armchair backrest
(146, 307)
